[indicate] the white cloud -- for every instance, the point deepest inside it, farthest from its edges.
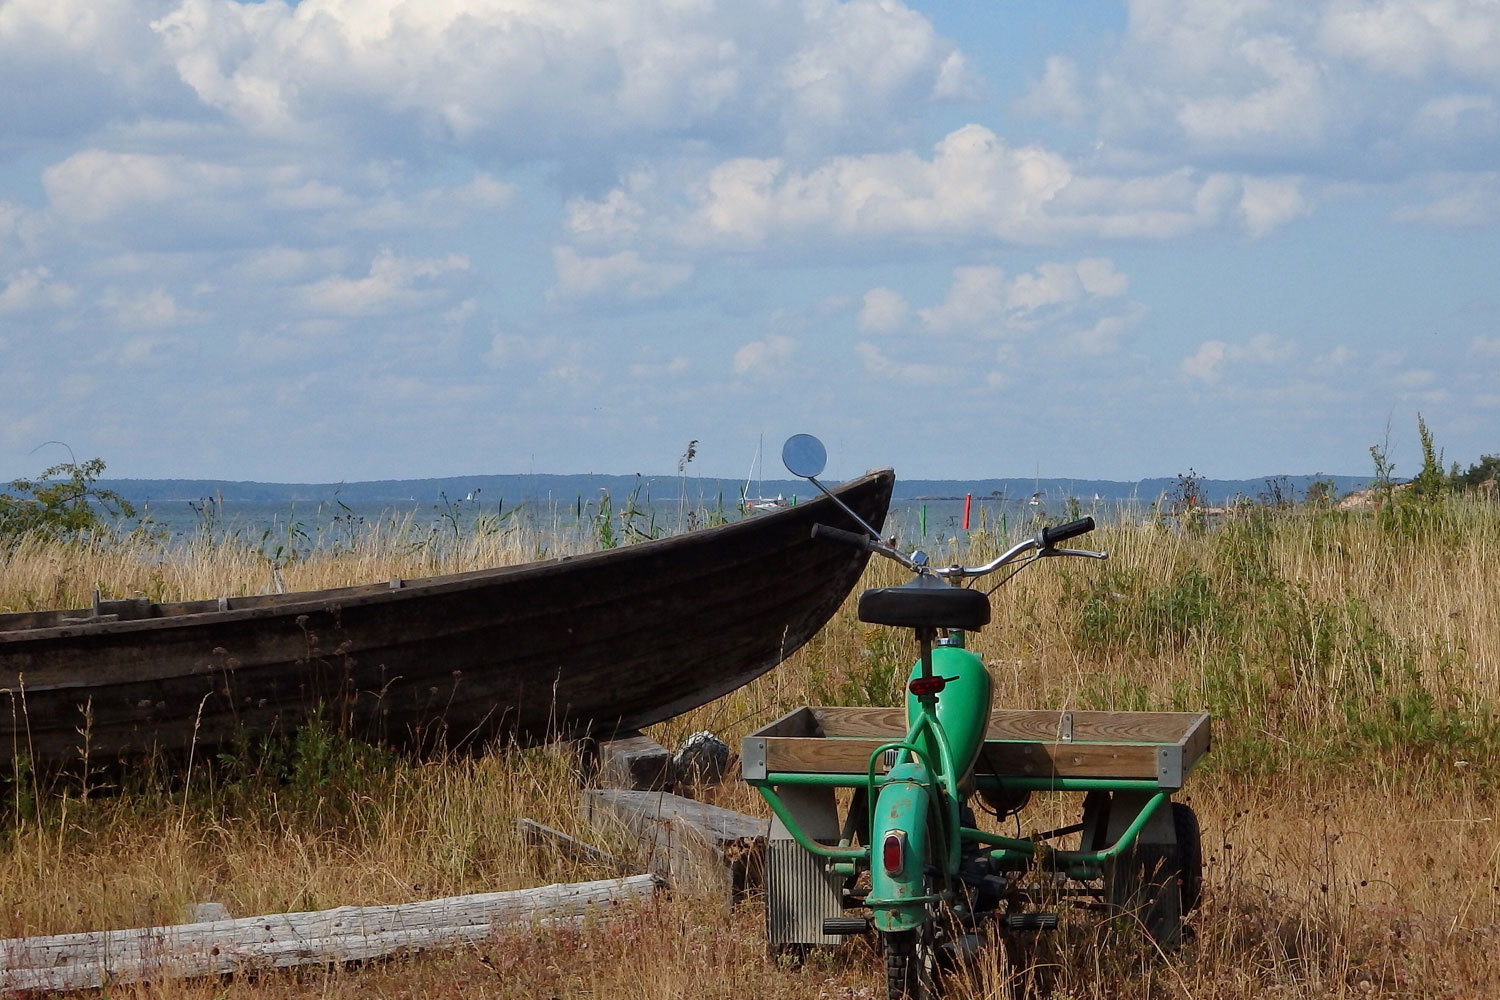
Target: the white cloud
(1457, 201)
(280, 264)
(978, 298)
(917, 372)
(1333, 88)
(1057, 93)
(141, 350)
(1105, 335)
(1206, 362)
(1267, 203)
(507, 349)
(1213, 357)
(151, 310)
(1099, 277)
(983, 301)
(618, 215)
(534, 77)
(1457, 117)
(974, 187)
(764, 357)
(1416, 38)
(1287, 99)
(394, 284)
(882, 311)
(434, 207)
(94, 185)
(625, 274)
(1333, 360)
(1415, 378)
(34, 288)
(1485, 347)
(662, 369)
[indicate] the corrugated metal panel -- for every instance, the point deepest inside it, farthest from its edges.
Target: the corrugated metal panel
(799, 894)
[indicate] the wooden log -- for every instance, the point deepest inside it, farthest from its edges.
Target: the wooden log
(344, 934)
(634, 761)
(203, 913)
(541, 835)
(695, 845)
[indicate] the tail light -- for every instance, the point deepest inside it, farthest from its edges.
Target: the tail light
(893, 852)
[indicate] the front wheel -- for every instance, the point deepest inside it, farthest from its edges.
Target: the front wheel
(910, 963)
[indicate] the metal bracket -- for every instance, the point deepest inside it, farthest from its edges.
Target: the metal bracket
(1169, 766)
(753, 759)
(1067, 727)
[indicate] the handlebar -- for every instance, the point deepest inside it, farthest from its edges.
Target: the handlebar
(1043, 544)
(1062, 532)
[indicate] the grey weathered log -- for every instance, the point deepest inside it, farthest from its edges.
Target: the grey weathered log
(695, 845)
(202, 913)
(541, 835)
(634, 761)
(344, 934)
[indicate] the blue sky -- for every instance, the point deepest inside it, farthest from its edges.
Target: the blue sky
(356, 239)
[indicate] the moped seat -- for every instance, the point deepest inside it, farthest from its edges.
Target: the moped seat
(912, 606)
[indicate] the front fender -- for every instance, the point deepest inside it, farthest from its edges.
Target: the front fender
(903, 805)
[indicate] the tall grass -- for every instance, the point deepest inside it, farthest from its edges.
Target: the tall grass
(1349, 807)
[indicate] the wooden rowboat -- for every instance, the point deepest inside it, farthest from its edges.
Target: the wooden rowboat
(598, 643)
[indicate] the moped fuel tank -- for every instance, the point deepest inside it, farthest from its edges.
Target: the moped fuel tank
(963, 706)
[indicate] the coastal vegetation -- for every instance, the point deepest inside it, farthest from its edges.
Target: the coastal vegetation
(1350, 658)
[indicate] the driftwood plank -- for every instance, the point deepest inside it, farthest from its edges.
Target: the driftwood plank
(347, 933)
(541, 835)
(695, 845)
(635, 761)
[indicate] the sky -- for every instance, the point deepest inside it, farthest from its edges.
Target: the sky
(339, 240)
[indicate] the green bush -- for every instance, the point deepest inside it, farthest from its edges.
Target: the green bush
(63, 503)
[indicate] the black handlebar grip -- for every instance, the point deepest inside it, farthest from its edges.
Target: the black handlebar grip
(1062, 532)
(833, 534)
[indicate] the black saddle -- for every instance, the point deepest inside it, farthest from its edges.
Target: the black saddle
(917, 606)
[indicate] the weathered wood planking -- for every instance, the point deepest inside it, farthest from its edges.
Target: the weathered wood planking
(348, 933)
(798, 722)
(540, 835)
(566, 647)
(693, 844)
(1014, 724)
(1104, 745)
(1013, 760)
(632, 760)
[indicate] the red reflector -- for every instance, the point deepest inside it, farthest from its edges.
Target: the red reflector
(927, 685)
(893, 853)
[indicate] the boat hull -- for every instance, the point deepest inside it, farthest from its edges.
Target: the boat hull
(591, 644)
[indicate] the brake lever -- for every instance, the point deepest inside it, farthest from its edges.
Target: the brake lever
(1085, 553)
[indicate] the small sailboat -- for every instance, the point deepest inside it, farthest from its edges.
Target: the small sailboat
(758, 501)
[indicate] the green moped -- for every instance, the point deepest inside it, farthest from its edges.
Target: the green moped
(908, 861)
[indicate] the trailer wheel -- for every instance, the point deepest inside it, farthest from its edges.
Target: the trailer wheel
(1158, 885)
(1190, 853)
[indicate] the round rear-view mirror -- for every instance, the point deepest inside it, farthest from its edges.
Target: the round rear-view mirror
(804, 455)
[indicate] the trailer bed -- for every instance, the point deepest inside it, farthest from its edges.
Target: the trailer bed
(1020, 745)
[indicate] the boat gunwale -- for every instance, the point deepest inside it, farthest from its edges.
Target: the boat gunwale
(376, 593)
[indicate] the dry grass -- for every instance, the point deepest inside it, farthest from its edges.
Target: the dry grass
(1349, 810)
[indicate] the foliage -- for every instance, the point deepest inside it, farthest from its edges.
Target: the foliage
(1431, 483)
(1487, 469)
(63, 503)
